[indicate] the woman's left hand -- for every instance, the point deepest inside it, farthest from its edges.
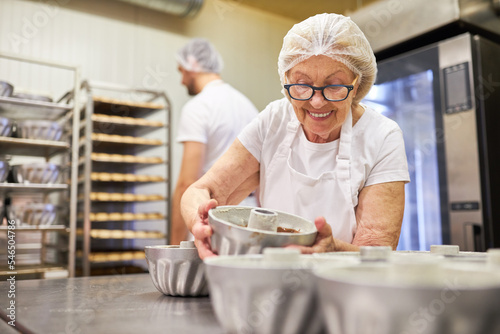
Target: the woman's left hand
(324, 239)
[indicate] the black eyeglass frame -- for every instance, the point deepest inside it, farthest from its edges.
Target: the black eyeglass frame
(322, 89)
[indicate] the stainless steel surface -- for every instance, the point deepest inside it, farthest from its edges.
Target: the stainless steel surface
(73, 161)
(182, 8)
(32, 147)
(410, 297)
(5, 127)
(54, 228)
(5, 328)
(387, 23)
(231, 235)
(6, 88)
(39, 129)
(11, 187)
(32, 97)
(25, 109)
(461, 147)
(107, 304)
(43, 173)
(272, 293)
(177, 270)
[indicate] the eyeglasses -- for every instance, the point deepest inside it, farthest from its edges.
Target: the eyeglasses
(333, 93)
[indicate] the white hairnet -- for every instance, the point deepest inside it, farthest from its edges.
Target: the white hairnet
(199, 55)
(331, 35)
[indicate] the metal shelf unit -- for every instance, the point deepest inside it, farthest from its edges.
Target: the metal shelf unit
(115, 178)
(68, 113)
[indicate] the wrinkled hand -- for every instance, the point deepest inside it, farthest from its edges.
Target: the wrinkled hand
(324, 239)
(202, 231)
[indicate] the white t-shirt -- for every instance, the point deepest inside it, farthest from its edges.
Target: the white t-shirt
(215, 117)
(377, 148)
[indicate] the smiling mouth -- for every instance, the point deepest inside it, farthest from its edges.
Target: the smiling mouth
(320, 115)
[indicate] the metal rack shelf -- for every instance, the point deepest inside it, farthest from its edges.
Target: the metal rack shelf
(122, 234)
(148, 161)
(115, 142)
(32, 187)
(122, 178)
(49, 228)
(125, 122)
(26, 109)
(104, 105)
(32, 147)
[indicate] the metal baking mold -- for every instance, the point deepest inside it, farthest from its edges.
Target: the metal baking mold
(5, 126)
(43, 173)
(231, 236)
(34, 214)
(270, 293)
(177, 270)
(392, 296)
(39, 129)
(4, 170)
(6, 88)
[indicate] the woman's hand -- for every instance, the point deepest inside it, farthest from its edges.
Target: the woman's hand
(202, 231)
(324, 240)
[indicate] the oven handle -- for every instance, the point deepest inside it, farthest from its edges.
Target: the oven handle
(473, 233)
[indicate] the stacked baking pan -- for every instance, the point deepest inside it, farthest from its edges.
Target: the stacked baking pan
(39, 130)
(32, 210)
(178, 270)
(7, 90)
(256, 286)
(358, 293)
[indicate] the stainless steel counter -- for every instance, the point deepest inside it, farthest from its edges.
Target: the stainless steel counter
(105, 304)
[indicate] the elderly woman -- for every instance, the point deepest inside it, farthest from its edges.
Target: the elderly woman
(317, 153)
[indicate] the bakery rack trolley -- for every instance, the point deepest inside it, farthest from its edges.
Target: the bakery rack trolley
(69, 113)
(124, 177)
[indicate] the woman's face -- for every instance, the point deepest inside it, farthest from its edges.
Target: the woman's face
(320, 118)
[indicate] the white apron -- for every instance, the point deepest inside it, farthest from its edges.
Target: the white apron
(329, 195)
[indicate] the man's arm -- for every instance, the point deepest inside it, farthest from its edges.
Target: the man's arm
(191, 170)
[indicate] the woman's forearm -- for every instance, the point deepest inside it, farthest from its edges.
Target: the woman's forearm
(342, 246)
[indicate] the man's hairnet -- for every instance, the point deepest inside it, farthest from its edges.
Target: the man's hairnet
(335, 36)
(199, 55)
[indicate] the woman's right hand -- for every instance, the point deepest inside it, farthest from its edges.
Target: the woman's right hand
(202, 231)
(325, 242)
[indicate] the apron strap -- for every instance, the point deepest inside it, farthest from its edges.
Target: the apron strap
(344, 155)
(345, 139)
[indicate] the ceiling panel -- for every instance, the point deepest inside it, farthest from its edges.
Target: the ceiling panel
(302, 9)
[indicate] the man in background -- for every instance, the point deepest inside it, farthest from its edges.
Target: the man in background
(209, 124)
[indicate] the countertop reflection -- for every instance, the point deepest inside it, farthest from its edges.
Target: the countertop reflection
(106, 304)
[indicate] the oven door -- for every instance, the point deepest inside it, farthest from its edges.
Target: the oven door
(428, 93)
